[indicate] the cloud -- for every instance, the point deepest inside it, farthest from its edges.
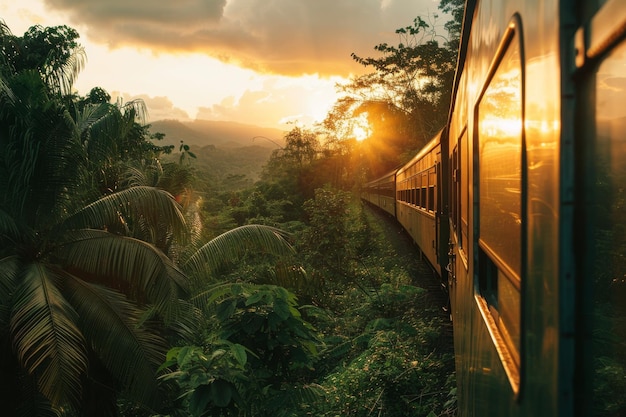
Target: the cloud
(159, 107)
(279, 101)
(289, 37)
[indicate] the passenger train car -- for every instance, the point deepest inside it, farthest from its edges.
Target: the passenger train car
(520, 205)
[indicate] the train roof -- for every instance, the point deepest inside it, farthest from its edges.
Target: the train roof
(468, 17)
(425, 150)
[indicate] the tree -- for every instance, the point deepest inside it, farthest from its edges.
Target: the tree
(406, 96)
(327, 238)
(52, 51)
(78, 292)
(289, 173)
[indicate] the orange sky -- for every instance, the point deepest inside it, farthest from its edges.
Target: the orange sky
(262, 62)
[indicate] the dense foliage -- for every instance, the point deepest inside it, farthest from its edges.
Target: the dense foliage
(122, 292)
(84, 238)
(406, 96)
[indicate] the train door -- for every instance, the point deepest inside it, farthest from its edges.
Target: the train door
(601, 207)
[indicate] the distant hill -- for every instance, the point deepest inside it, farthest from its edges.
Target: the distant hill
(227, 157)
(200, 133)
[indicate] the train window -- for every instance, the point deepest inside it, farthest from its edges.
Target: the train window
(431, 198)
(464, 196)
(432, 184)
(605, 258)
(500, 194)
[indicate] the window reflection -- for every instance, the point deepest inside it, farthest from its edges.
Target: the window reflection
(500, 147)
(500, 196)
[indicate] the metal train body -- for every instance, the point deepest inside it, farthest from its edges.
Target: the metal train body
(520, 206)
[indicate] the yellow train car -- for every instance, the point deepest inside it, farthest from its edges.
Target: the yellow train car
(526, 189)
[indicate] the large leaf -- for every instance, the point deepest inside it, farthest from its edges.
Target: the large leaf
(47, 341)
(41, 154)
(9, 270)
(230, 246)
(128, 264)
(150, 204)
(111, 325)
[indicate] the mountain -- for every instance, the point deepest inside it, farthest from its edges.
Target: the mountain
(200, 133)
(227, 155)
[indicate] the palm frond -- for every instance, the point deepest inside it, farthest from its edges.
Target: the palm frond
(47, 342)
(91, 115)
(41, 153)
(8, 226)
(136, 177)
(59, 170)
(125, 263)
(100, 126)
(61, 78)
(9, 269)
(230, 246)
(187, 324)
(152, 205)
(208, 296)
(136, 110)
(111, 325)
(290, 276)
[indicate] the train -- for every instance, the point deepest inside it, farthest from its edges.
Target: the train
(519, 205)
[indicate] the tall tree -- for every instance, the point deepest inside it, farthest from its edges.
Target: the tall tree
(52, 51)
(407, 94)
(77, 287)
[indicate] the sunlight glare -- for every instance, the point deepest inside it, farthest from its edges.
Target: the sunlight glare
(360, 127)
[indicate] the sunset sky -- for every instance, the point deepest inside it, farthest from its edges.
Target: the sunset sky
(262, 62)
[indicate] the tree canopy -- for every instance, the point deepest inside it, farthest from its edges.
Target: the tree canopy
(406, 95)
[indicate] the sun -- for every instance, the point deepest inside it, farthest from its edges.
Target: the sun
(359, 133)
(361, 128)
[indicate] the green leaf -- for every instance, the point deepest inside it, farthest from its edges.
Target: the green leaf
(221, 392)
(111, 324)
(171, 359)
(281, 308)
(239, 353)
(273, 321)
(46, 337)
(256, 297)
(199, 400)
(225, 309)
(235, 243)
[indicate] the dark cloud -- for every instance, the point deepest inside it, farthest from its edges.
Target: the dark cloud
(280, 36)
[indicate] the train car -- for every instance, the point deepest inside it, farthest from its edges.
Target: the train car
(538, 252)
(382, 193)
(420, 201)
(533, 180)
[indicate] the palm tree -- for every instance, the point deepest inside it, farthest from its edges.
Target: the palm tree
(78, 289)
(229, 248)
